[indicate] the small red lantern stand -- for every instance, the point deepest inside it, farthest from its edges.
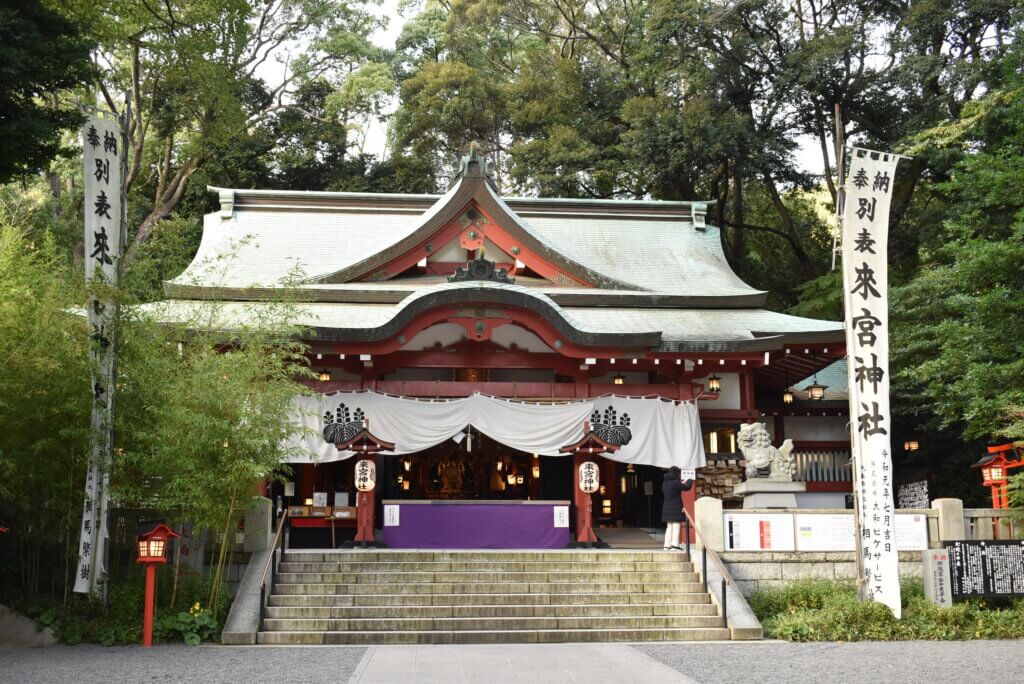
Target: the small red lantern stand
(591, 445)
(152, 542)
(995, 471)
(364, 442)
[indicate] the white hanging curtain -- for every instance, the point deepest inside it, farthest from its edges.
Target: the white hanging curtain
(648, 431)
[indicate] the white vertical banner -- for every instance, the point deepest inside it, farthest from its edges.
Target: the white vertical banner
(103, 152)
(869, 185)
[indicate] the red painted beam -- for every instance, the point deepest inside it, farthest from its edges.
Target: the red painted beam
(520, 390)
(840, 486)
(822, 444)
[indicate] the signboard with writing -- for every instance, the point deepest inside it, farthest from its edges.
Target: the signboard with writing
(986, 568)
(561, 516)
(759, 532)
(589, 477)
(937, 577)
(102, 151)
(392, 515)
(868, 192)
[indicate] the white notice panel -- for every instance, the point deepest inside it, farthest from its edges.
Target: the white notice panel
(561, 516)
(759, 532)
(391, 515)
(911, 532)
(824, 532)
(834, 532)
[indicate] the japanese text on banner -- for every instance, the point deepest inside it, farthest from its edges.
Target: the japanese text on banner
(865, 279)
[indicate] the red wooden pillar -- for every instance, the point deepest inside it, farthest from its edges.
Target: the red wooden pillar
(584, 504)
(366, 513)
(147, 615)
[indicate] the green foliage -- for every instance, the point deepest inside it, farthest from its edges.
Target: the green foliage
(43, 54)
(44, 405)
(193, 626)
(816, 610)
(957, 323)
(84, 620)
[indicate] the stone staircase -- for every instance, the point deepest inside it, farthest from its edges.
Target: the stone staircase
(415, 597)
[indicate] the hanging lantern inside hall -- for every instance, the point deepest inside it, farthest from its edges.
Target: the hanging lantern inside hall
(325, 376)
(511, 479)
(911, 445)
(536, 472)
(816, 391)
(714, 384)
(787, 396)
(619, 379)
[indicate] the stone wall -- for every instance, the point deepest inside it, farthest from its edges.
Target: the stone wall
(754, 570)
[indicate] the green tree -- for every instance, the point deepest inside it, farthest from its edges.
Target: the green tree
(44, 55)
(44, 403)
(205, 416)
(958, 322)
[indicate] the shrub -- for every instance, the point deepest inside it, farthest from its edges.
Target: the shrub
(817, 610)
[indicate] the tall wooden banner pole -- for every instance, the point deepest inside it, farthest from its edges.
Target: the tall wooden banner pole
(104, 156)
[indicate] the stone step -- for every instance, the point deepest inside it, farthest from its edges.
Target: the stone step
(631, 577)
(486, 588)
(478, 624)
(485, 566)
(495, 637)
(695, 596)
(556, 611)
(567, 556)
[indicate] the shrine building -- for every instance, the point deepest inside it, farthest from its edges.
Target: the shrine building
(480, 350)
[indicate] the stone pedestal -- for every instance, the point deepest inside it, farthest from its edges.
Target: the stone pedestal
(758, 493)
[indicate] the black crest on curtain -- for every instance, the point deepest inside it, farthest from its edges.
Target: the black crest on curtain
(342, 425)
(611, 427)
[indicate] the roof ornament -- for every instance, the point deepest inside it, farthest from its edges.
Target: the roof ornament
(476, 165)
(480, 269)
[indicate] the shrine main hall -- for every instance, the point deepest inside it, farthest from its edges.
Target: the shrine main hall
(478, 350)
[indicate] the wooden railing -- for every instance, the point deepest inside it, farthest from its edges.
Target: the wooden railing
(993, 523)
(822, 464)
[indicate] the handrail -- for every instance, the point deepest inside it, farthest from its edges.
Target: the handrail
(269, 565)
(727, 580)
(273, 547)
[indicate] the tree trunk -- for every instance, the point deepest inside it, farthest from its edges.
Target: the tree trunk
(796, 242)
(737, 236)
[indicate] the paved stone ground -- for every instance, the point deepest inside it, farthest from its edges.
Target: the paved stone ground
(928, 662)
(906, 662)
(249, 664)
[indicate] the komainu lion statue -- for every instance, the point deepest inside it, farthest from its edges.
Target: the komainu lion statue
(762, 458)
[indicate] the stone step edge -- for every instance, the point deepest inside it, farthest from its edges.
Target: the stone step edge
(490, 632)
(284, 629)
(493, 606)
(701, 594)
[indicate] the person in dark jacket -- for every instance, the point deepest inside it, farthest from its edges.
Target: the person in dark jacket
(672, 513)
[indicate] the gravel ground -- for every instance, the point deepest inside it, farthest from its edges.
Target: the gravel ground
(906, 662)
(87, 663)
